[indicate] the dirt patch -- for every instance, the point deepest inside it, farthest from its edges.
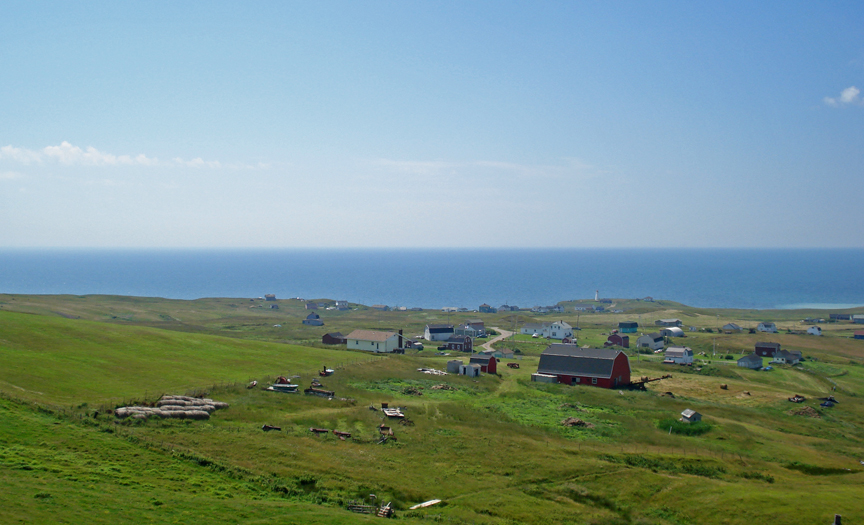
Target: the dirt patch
(805, 411)
(576, 422)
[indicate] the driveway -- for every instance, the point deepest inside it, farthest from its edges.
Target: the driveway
(504, 335)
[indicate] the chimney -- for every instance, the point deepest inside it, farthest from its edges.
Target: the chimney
(400, 338)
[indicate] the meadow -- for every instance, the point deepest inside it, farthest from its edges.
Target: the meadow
(493, 449)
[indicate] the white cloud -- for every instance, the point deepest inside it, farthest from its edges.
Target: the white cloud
(24, 156)
(848, 96)
(71, 155)
(198, 163)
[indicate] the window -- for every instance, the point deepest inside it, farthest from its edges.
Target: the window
(577, 379)
(593, 380)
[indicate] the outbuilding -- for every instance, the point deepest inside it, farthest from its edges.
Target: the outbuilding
(372, 341)
(487, 363)
(859, 334)
(690, 416)
(814, 330)
(787, 357)
(470, 370)
(767, 327)
(628, 327)
(668, 322)
(672, 331)
(453, 366)
(618, 340)
(603, 367)
(313, 319)
(653, 341)
(751, 361)
(333, 338)
(679, 355)
(730, 328)
(438, 332)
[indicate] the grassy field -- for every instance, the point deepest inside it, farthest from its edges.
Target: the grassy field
(493, 449)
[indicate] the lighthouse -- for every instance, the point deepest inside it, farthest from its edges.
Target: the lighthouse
(596, 295)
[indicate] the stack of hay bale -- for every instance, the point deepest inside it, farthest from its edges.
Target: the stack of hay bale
(178, 407)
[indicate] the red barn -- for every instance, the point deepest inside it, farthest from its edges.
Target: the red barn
(619, 340)
(603, 367)
(487, 363)
(767, 349)
(334, 338)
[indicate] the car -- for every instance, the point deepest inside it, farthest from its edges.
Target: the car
(535, 335)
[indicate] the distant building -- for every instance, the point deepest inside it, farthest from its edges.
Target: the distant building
(751, 361)
(618, 340)
(382, 307)
(652, 341)
(311, 306)
(672, 331)
(342, 305)
(584, 307)
(459, 343)
(814, 330)
(731, 328)
(840, 317)
(787, 357)
(313, 319)
(767, 327)
(766, 349)
(552, 330)
(691, 416)
(438, 332)
(668, 322)
(679, 355)
(334, 338)
(859, 334)
(488, 364)
(372, 341)
(628, 327)
(858, 319)
(477, 324)
(274, 306)
(486, 309)
(270, 297)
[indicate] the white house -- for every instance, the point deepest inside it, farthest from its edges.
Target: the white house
(787, 357)
(438, 332)
(653, 341)
(552, 330)
(370, 341)
(814, 330)
(681, 355)
(770, 328)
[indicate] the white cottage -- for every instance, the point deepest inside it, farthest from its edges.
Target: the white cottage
(814, 330)
(680, 355)
(767, 327)
(653, 341)
(371, 341)
(553, 330)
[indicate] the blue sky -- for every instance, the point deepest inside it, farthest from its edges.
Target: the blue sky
(425, 124)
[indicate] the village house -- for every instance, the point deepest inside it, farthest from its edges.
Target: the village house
(787, 357)
(333, 338)
(372, 341)
(752, 361)
(488, 364)
(313, 319)
(584, 307)
(438, 332)
(270, 297)
(551, 330)
(382, 307)
(311, 306)
(508, 308)
(653, 341)
(767, 327)
(840, 317)
(859, 334)
(814, 330)
(766, 349)
(603, 367)
(477, 324)
(679, 355)
(459, 343)
(274, 306)
(467, 329)
(341, 305)
(858, 319)
(487, 309)
(668, 322)
(730, 328)
(618, 340)
(628, 327)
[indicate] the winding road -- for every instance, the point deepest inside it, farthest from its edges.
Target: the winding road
(504, 335)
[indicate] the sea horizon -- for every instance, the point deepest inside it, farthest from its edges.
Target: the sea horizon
(749, 278)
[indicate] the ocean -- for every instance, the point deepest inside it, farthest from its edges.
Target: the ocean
(435, 278)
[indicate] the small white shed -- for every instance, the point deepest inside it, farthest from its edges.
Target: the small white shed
(470, 370)
(690, 416)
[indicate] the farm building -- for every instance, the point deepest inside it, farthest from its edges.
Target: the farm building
(787, 357)
(859, 334)
(487, 309)
(840, 317)
(767, 327)
(858, 319)
(628, 327)
(767, 349)
(618, 340)
(814, 330)
(341, 305)
(371, 341)
(311, 306)
(333, 338)
(751, 361)
(584, 307)
(270, 297)
(731, 328)
(313, 319)
(544, 378)
(603, 367)
(653, 341)
(470, 370)
(672, 331)
(668, 322)
(690, 416)
(438, 332)
(459, 343)
(679, 355)
(488, 364)
(453, 366)
(382, 307)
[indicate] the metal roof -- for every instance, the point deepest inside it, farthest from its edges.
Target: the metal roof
(369, 335)
(561, 359)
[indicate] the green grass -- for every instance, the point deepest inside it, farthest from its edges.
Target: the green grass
(493, 449)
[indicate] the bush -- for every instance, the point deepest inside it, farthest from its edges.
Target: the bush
(729, 357)
(684, 429)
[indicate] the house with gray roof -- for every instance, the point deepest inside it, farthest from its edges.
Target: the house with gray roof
(603, 367)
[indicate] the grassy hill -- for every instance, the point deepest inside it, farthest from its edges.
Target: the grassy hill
(493, 449)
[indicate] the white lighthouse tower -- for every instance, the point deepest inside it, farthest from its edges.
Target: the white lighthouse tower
(596, 295)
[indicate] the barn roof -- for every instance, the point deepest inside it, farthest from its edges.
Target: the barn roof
(440, 327)
(481, 359)
(561, 359)
(768, 345)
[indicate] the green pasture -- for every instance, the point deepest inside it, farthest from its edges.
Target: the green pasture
(493, 448)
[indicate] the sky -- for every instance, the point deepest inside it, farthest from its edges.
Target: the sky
(431, 124)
